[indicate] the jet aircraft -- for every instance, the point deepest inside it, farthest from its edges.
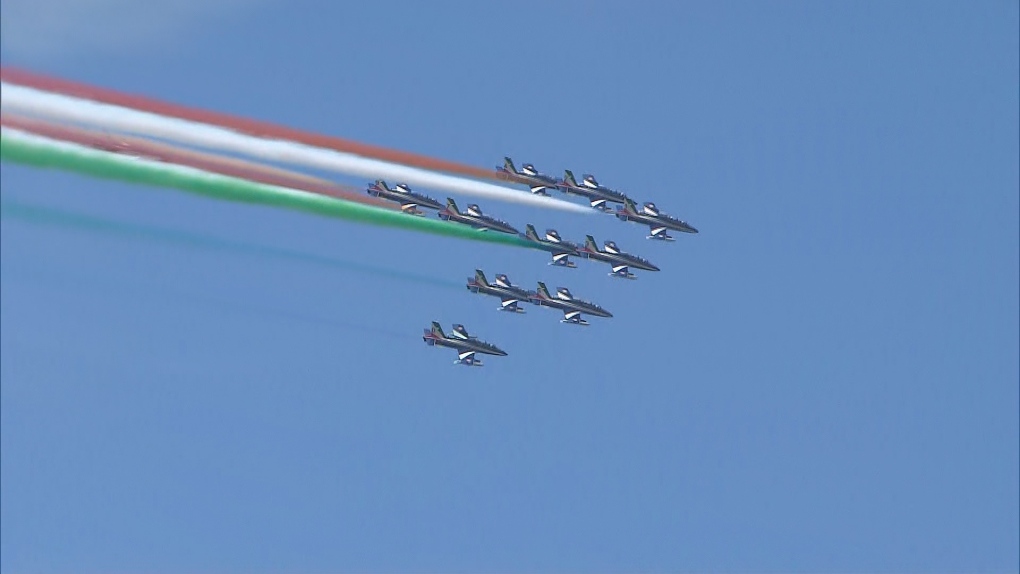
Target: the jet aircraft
(561, 250)
(539, 183)
(659, 223)
(475, 218)
(510, 295)
(598, 195)
(620, 261)
(465, 345)
(408, 200)
(572, 308)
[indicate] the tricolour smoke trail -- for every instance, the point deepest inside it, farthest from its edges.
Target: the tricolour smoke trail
(251, 127)
(41, 152)
(199, 160)
(48, 216)
(20, 99)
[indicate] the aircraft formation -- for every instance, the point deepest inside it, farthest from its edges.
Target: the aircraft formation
(511, 296)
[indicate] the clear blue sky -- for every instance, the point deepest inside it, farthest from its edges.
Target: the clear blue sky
(825, 379)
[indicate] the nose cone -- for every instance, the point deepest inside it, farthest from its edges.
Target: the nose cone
(652, 267)
(688, 228)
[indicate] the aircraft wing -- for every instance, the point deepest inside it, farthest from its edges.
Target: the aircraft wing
(620, 270)
(598, 203)
(411, 208)
(658, 231)
(511, 304)
(562, 259)
(573, 317)
(468, 358)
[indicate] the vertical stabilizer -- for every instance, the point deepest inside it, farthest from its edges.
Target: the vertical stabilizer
(543, 290)
(530, 233)
(568, 177)
(480, 277)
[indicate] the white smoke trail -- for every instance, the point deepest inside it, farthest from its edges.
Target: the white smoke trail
(35, 102)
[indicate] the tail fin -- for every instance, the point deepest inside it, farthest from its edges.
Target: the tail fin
(543, 290)
(530, 233)
(437, 329)
(381, 184)
(480, 277)
(568, 176)
(451, 205)
(629, 205)
(589, 242)
(508, 164)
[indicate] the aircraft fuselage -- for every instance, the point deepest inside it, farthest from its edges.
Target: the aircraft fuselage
(568, 305)
(593, 194)
(656, 221)
(499, 291)
(619, 259)
(478, 221)
(462, 345)
(404, 198)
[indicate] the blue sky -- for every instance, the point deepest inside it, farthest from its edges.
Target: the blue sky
(824, 379)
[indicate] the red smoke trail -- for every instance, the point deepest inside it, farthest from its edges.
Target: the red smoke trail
(251, 127)
(199, 160)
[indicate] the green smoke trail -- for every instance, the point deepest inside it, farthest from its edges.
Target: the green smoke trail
(40, 152)
(38, 215)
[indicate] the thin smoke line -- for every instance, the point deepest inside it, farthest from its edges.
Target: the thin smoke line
(40, 215)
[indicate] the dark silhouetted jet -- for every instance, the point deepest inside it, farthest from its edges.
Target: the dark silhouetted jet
(539, 183)
(408, 200)
(620, 261)
(564, 301)
(475, 218)
(658, 223)
(465, 345)
(509, 294)
(597, 195)
(561, 250)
